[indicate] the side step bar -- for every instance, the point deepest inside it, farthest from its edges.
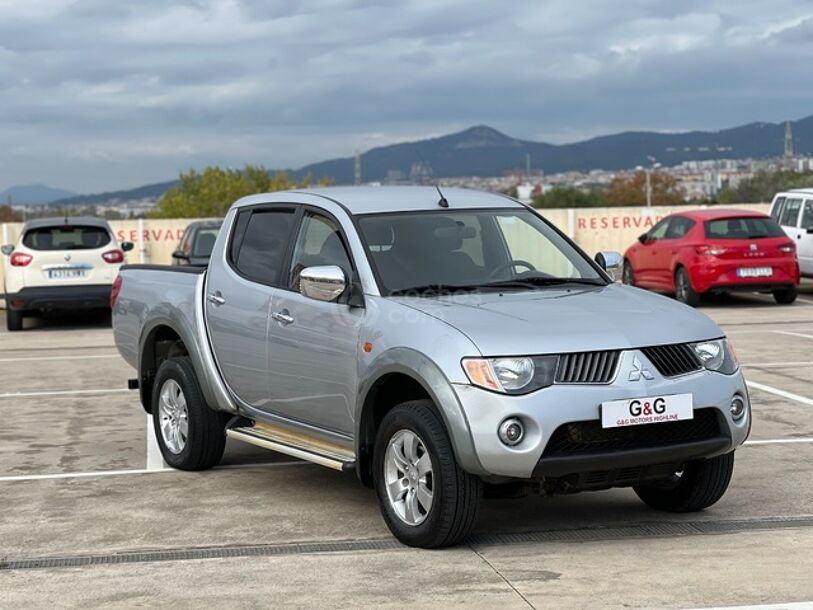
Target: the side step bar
(294, 444)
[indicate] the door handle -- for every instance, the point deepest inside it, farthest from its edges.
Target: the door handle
(283, 317)
(216, 299)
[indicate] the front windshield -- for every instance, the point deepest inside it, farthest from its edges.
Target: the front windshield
(419, 252)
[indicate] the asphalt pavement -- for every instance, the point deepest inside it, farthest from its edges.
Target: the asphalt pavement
(93, 518)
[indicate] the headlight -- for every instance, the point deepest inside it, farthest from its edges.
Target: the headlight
(716, 356)
(517, 375)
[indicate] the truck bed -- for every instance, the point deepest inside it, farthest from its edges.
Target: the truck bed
(152, 294)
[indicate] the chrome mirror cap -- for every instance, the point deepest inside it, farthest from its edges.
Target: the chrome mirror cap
(323, 283)
(611, 262)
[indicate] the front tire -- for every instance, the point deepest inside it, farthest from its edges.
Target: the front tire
(190, 434)
(698, 486)
(426, 499)
(786, 296)
(627, 274)
(14, 320)
(683, 288)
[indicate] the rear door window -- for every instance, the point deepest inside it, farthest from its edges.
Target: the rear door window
(205, 241)
(742, 228)
(790, 213)
(66, 237)
(678, 227)
(260, 253)
(776, 210)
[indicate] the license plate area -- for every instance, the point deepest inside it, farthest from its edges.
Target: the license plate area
(68, 273)
(754, 272)
(647, 410)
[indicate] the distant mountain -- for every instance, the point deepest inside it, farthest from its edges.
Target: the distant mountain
(149, 191)
(33, 194)
(484, 151)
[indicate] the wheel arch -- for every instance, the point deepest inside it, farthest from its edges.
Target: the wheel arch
(400, 375)
(158, 344)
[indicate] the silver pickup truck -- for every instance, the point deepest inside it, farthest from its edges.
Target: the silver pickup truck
(436, 345)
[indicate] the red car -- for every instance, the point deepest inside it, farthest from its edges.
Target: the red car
(700, 251)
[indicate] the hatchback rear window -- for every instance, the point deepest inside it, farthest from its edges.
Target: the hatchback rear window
(66, 237)
(742, 228)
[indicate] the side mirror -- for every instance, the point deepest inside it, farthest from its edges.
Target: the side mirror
(611, 262)
(126, 246)
(643, 238)
(323, 283)
(7, 249)
(180, 255)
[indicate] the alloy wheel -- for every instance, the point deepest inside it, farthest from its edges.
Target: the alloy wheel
(408, 477)
(173, 416)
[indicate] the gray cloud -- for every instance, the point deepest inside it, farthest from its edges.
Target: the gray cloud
(98, 95)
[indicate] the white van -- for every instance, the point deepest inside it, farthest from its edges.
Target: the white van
(793, 211)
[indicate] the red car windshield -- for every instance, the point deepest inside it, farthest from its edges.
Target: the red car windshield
(742, 228)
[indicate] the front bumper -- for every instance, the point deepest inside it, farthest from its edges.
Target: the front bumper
(544, 411)
(46, 298)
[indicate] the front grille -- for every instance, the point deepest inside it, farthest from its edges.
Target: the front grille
(585, 437)
(587, 367)
(673, 360)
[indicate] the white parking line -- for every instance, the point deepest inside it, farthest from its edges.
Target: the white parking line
(155, 461)
(769, 365)
(39, 358)
(771, 390)
(789, 606)
(115, 473)
(63, 393)
(792, 334)
(781, 441)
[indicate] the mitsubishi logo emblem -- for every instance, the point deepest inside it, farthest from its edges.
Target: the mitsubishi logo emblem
(639, 371)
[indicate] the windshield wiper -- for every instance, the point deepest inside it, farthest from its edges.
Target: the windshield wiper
(522, 283)
(434, 289)
(545, 281)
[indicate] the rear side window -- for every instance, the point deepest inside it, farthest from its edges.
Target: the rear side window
(742, 228)
(261, 251)
(66, 237)
(807, 215)
(790, 213)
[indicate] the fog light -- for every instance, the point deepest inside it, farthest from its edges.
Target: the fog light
(737, 407)
(511, 431)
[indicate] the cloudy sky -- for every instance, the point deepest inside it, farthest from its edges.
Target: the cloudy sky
(101, 94)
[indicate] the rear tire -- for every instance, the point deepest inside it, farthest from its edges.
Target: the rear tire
(190, 434)
(454, 495)
(701, 484)
(786, 296)
(14, 319)
(683, 288)
(627, 274)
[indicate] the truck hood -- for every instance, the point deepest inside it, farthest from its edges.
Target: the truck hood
(561, 320)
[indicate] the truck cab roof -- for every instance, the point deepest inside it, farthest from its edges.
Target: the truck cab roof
(377, 199)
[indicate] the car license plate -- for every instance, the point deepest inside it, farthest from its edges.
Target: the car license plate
(649, 410)
(754, 272)
(65, 274)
